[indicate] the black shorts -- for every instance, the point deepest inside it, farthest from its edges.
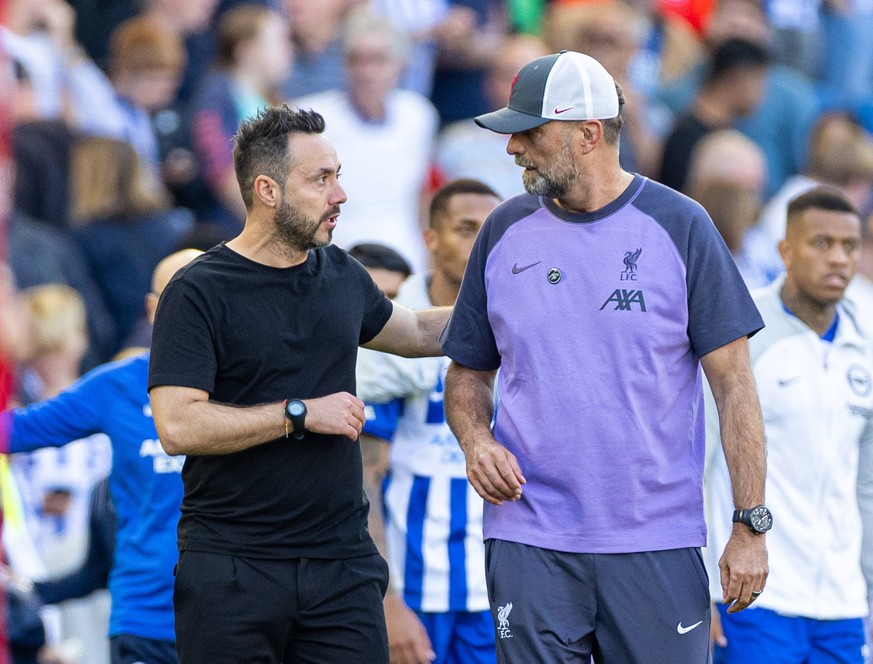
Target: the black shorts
(304, 610)
(630, 608)
(130, 649)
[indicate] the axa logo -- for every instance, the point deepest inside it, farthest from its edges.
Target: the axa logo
(503, 612)
(630, 265)
(625, 299)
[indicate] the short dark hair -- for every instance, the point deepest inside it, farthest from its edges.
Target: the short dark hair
(439, 204)
(819, 198)
(380, 257)
(734, 55)
(260, 146)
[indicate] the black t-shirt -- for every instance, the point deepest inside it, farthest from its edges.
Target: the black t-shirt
(250, 334)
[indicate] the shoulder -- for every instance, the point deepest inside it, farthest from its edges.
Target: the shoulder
(667, 206)
(507, 214)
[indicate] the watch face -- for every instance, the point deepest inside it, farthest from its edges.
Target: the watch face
(296, 408)
(761, 519)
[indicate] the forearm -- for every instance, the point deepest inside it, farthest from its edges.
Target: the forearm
(375, 455)
(742, 435)
(469, 403)
(207, 427)
(740, 421)
(411, 333)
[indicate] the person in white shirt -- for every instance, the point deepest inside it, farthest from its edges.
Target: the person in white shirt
(385, 136)
(437, 607)
(814, 371)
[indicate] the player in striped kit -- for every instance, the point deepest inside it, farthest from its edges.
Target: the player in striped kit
(437, 608)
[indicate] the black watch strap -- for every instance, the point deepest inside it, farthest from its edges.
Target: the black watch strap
(295, 413)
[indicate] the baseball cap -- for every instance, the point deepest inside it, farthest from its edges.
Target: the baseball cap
(562, 86)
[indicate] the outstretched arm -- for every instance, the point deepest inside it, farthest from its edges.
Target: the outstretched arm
(412, 333)
(744, 562)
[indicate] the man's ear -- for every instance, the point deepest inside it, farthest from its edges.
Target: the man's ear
(590, 134)
(268, 191)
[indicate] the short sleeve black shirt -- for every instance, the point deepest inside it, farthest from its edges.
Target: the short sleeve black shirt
(250, 334)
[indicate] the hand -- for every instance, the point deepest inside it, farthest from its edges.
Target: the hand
(716, 633)
(407, 637)
(341, 413)
(743, 568)
(493, 470)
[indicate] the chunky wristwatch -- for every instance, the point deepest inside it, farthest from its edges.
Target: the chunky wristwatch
(295, 413)
(758, 519)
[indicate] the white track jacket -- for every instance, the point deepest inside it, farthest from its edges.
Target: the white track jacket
(817, 401)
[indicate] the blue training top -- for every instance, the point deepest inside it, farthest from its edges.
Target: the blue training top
(597, 321)
(145, 483)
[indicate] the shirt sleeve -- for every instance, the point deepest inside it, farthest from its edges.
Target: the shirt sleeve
(468, 338)
(183, 347)
(75, 413)
(720, 308)
(382, 419)
(377, 307)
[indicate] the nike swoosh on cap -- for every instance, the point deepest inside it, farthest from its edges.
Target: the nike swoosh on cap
(518, 270)
(558, 111)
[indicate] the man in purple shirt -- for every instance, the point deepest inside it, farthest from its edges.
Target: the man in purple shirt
(599, 295)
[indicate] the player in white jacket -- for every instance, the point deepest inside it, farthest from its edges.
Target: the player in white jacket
(814, 371)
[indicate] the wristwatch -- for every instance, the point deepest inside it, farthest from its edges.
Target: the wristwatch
(758, 519)
(295, 413)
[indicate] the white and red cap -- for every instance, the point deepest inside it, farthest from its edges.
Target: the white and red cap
(562, 86)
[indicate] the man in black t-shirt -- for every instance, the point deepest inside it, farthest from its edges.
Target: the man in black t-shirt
(253, 377)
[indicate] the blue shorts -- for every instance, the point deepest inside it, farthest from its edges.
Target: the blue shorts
(762, 636)
(461, 637)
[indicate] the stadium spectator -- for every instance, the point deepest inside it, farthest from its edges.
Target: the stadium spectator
(379, 128)
(67, 85)
(316, 32)
(464, 150)
(612, 33)
(790, 105)
(467, 41)
(386, 267)
(598, 297)
(146, 61)
(254, 53)
(840, 156)
(145, 485)
(271, 528)
(734, 87)
(190, 20)
(814, 371)
(123, 224)
(726, 176)
(437, 606)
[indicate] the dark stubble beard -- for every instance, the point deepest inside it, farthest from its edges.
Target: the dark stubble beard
(557, 179)
(297, 230)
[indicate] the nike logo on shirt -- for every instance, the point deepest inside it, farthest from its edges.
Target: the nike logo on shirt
(519, 270)
(685, 630)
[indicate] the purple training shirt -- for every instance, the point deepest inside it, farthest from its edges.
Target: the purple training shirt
(597, 322)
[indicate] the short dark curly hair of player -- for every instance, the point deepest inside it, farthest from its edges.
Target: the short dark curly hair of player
(260, 146)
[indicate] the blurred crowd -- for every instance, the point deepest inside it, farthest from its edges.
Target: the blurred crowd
(123, 113)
